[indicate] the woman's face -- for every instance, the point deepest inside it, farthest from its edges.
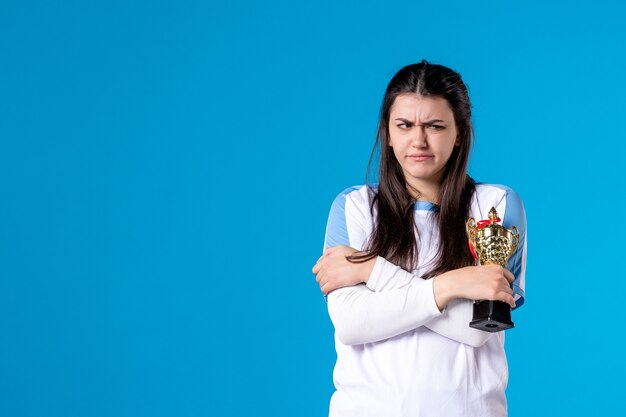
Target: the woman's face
(423, 134)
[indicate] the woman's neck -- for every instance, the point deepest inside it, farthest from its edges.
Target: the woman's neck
(424, 192)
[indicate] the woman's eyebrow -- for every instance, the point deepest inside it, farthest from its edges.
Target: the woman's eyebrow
(402, 119)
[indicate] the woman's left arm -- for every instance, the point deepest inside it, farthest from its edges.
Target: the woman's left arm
(453, 323)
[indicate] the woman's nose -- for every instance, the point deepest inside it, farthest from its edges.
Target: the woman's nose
(419, 141)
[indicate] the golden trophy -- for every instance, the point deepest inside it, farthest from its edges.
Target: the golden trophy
(491, 243)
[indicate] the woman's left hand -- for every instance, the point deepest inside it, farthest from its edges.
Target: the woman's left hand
(334, 271)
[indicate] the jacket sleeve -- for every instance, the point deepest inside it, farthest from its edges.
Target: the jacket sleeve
(359, 314)
(515, 215)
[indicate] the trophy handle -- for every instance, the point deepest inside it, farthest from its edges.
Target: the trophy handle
(515, 239)
(470, 226)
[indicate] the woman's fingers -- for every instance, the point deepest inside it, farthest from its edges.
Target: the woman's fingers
(506, 298)
(510, 297)
(506, 288)
(320, 273)
(326, 284)
(508, 275)
(317, 265)
(320, 277)
(326, 288)
(511, 301)
(334, 271)
(329, 250)
(501, 271)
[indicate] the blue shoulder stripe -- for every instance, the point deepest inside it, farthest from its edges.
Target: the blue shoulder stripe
(515, 216)
(336, 228)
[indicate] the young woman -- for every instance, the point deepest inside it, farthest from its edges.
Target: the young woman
(397, 272)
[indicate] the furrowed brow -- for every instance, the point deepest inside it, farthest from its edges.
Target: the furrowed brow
(427, 122)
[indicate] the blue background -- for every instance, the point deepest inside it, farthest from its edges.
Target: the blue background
(167, 169)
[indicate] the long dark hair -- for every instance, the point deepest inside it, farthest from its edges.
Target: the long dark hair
(393, 235)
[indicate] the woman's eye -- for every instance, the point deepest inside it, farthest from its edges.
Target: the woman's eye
(409, 125)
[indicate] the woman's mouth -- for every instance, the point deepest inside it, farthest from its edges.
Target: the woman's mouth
(421, 157)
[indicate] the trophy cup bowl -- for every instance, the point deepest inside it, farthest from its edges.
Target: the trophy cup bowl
(491, 243)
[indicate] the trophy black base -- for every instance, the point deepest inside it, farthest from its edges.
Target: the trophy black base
(492, 316)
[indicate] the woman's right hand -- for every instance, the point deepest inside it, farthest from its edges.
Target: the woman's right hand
(488, 282)
(334, 271)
